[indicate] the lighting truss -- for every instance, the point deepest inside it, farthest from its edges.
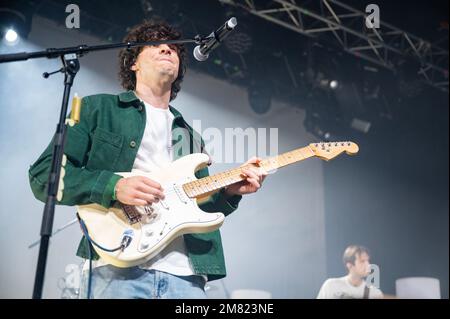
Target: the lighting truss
(346, 26)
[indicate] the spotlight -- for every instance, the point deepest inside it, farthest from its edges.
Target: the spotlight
(146, 6)
(259, 97)
(324, 83)
(360, 125)
(334, 84)
(11, 35)
(239, 43)
(15, 20)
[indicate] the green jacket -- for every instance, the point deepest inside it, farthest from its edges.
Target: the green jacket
(105, 141)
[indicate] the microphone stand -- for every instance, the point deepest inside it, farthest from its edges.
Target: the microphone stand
(71, 65)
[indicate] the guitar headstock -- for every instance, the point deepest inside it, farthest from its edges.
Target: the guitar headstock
(329, 150)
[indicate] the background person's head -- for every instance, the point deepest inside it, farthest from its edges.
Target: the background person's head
(357, 261)
(146, 59)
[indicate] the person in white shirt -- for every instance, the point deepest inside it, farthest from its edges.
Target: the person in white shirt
(353, 285)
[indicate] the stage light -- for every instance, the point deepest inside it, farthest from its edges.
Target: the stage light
(15, 20)
(334, 84)
(360, 125)
(259, 98)
(239, 43)
(11, 36)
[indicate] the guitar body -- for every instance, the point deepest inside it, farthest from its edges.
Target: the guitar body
(150, 228)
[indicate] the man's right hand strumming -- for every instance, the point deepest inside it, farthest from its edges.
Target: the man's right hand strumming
(138, 191)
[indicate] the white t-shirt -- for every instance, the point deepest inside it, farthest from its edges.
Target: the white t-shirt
(155, 152)
(341, 288)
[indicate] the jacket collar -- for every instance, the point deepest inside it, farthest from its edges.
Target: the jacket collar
(128, 98)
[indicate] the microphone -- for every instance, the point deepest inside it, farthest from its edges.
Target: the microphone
(201, 52)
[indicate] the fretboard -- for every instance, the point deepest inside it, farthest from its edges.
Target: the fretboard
(213, 183)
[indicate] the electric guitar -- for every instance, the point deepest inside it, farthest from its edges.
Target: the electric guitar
(144, 231)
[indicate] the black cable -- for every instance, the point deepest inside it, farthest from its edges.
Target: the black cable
(90, 240)
(90, 252)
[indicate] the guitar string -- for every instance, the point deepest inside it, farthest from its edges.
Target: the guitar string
(230, 172)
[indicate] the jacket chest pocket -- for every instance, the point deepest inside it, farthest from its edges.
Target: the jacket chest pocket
(105, 150)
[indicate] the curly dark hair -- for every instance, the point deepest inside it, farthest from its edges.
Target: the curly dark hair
(150, 30)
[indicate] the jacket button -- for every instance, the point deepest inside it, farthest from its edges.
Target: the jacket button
(140, 108)
(132, 144)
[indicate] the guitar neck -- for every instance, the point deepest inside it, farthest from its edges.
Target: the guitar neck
(213, 183)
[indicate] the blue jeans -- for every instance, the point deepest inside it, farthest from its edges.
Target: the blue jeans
(109, 282)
